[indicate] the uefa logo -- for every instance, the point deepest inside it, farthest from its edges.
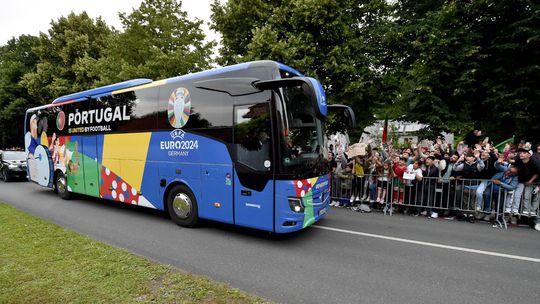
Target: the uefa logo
(179, 108)
(60, 120)
(178, 133)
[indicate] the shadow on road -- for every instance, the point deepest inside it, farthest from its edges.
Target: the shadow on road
(162, 215)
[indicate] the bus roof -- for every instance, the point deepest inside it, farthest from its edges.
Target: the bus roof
(217, 71)
(102, 90)
(140, 83)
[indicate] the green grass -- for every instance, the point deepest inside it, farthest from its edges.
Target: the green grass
(45, 263)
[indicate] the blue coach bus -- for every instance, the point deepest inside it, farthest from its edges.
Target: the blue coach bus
(242, 144)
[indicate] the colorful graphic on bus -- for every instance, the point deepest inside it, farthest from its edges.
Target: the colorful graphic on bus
(179, 107)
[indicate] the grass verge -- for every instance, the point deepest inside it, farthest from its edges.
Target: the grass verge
(44, 263)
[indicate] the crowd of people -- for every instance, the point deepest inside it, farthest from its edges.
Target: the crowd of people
(433, 178)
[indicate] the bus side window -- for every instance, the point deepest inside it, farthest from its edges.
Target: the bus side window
(252, 132)
(142, 108)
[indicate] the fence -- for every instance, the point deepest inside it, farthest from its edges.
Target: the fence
(468, 198)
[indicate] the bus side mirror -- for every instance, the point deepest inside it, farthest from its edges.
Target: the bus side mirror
(342, 116)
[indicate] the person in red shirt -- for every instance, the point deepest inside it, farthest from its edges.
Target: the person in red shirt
(399, 169)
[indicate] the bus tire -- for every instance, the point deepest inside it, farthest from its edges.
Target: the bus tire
(182, 206)
(61, 187)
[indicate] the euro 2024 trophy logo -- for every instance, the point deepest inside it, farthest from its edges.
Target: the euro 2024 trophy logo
(179, 107)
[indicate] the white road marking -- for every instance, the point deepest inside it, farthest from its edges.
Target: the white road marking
(391, 238)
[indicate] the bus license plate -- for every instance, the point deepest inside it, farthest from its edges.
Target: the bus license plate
(322, 211)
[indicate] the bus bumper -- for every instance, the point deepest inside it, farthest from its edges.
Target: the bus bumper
(314, 196)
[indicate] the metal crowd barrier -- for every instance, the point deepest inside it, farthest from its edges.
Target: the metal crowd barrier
(435, 194)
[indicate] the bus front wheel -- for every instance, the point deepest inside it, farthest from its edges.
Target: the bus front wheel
(61, 186)
(182, 206)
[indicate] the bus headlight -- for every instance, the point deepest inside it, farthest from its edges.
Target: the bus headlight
(296, 204)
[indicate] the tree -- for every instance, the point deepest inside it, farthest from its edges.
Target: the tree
(510, 65)
(438, 66)
(66, 54)
(235, 20)
(158, 41)
(16, 59)
(337, 42)
(470, 64)
(452, 65)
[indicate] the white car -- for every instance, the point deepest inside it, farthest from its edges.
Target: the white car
(12, 165)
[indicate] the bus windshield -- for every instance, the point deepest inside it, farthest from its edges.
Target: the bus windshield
(302, 135)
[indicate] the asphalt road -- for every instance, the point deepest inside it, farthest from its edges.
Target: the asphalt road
(352, 265)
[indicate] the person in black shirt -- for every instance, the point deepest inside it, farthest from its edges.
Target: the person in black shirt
(489, 158)
(469, 167)
(335, 193)
(430, 176)
(528, 166)
(332, 162)
(472, 138)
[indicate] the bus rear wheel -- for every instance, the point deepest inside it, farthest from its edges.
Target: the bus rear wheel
(61, 186)
(182, 206)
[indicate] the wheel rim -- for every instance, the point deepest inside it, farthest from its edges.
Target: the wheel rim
(182, 205)
(61, 184)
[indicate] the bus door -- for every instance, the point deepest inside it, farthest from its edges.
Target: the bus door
(217, 193)
(253, 182)
(90, 165)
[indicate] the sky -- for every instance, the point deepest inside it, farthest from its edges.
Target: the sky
(19, 17)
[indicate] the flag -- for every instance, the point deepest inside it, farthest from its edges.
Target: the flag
(500, 146)
(385, 130)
